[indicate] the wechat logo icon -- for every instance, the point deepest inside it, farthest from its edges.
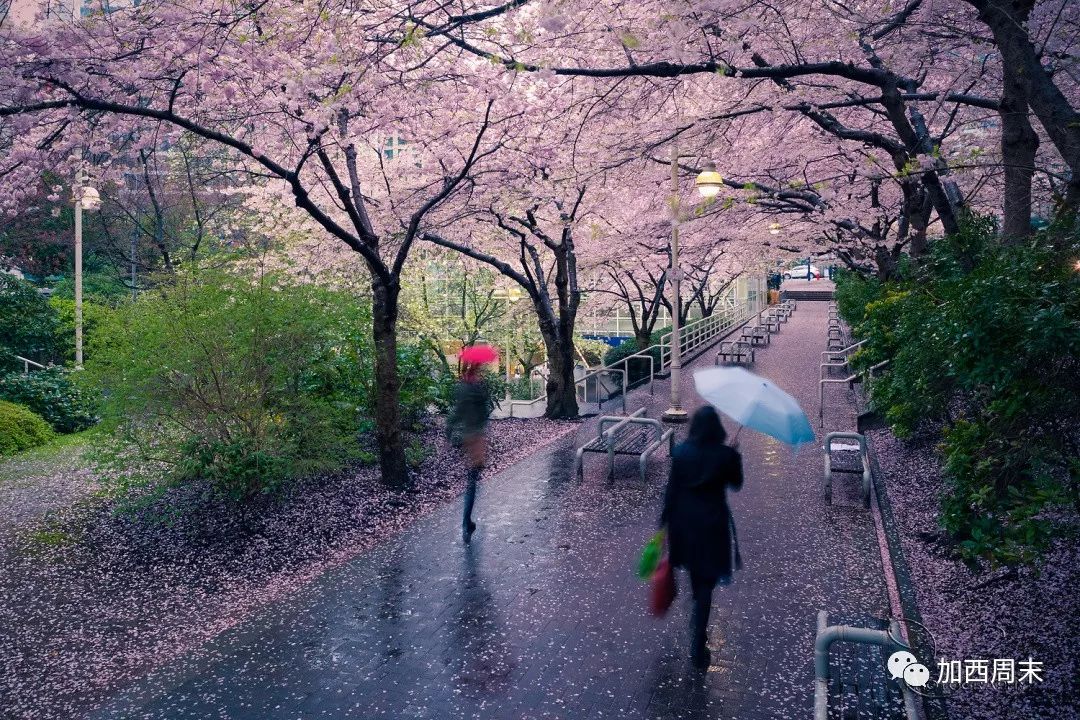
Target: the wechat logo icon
(903, 665)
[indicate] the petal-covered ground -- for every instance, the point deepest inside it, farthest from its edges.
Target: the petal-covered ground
(1033, 613)
(90, 600)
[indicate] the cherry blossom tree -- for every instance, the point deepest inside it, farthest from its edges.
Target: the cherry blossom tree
(305, 97)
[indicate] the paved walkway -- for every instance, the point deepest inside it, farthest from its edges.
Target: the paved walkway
(542, 616)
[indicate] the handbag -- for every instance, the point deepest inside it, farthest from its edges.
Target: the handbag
(650, 556)
(663, 590)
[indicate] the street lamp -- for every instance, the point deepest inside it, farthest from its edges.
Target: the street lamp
(85, 198)
(708, 183)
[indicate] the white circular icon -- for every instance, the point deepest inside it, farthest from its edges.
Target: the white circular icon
(916, 675)
(899, 661)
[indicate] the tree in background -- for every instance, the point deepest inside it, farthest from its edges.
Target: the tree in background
(27, 325)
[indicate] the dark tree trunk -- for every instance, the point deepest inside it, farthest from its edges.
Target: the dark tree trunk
(643, 338)
(1059, 119)
(387, 384)
(561, 388)
(886, 263)
(1019, 144)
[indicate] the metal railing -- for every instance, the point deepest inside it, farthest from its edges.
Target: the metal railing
(704, 331)
(892, 640)
(582, 387)
(27, 362)
(640, 355)
(869, 372)
(694, 335)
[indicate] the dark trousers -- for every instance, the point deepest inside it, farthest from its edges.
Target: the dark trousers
(470, 496)
(702, 588)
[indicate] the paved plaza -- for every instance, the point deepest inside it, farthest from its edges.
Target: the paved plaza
(543, 617)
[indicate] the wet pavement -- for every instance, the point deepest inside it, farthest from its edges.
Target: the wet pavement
(542, 615)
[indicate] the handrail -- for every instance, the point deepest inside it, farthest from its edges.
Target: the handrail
(869, 372)
(642, 354)
(705, 329)
(840, 352)
(597, 373)
(692, 336)
(27, 362)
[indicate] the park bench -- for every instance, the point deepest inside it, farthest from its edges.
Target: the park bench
(735, 352)
(630, 435)
(782, 312)
(756, 335)
(854, 460)
(770, 321)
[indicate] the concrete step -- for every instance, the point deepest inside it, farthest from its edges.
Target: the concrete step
(822, 295)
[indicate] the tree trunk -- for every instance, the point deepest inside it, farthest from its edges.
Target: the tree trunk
(886, 263)
(561, 389)
(1019, 144)
(1059, 119)
(387, 384)
(643, 338)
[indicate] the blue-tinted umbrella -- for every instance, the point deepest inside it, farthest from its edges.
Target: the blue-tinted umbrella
(754, 402)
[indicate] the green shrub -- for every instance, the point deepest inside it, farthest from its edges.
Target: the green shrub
(27, 324)
(983, 344)
(853, 293)
(636, 370)
(52, 395)
(21, 429)
(94, 316)
(240, 382)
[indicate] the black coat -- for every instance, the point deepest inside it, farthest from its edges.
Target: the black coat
(700, 529)
(469, 411)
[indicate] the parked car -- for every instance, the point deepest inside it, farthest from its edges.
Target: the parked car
(799, 272)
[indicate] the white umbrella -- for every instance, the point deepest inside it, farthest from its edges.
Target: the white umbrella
(754, 402)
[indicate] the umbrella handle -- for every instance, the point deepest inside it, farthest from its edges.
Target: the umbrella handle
(736, 438)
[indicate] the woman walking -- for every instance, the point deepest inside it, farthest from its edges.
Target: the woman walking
(701, 532)
(466, 425)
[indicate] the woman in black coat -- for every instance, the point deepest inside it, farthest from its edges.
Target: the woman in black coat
(701, 533)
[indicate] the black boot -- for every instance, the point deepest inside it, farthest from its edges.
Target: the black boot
(467, 524)
(701, 658)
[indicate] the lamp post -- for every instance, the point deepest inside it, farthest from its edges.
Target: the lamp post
(708, 183)
(86, 198)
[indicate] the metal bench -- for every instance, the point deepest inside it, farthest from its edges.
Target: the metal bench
(736, 352)
(756, 335)
(844, 465)
(770, 322)
(631, 435)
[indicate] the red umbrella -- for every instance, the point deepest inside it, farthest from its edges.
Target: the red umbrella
(478, 355)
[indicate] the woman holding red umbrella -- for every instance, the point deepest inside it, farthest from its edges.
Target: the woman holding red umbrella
(468, 421)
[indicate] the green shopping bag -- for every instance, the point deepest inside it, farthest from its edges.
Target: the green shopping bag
(650, 556)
